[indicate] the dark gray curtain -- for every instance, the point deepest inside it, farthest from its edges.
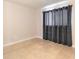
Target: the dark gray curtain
(57, 25)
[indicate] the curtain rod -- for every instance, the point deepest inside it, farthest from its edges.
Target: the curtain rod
(56, 6)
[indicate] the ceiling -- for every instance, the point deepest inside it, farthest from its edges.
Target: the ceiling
(36, 3)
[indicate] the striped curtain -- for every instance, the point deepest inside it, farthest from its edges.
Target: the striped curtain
(57, 25)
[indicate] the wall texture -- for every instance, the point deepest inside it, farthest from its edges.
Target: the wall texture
(19, 22)
(39, 22)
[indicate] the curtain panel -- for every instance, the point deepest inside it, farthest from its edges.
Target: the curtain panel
(57, 25)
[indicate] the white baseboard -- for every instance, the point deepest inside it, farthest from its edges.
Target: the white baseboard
(19, 41)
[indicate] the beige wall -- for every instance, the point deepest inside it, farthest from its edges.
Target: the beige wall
(39, 22)
(73, 20)
(19, 22)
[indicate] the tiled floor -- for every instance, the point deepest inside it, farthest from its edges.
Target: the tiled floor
(38, 49)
